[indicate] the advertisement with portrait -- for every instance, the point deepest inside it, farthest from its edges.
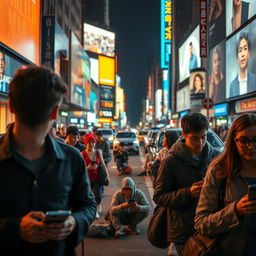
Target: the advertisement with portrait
(217, 17)
(216, 75)
(20, 27)
(107, 70)
(98, 40)
(80, 74)
(241, 64)
(61, 52)
(183, 99)
(189, 55)
(8, 66)
(237, 13)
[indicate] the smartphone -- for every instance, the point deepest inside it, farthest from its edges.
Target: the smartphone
(132, 200)
(252, 192)
(56, 216)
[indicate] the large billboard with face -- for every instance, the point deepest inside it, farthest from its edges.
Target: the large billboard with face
(98, 40)
(189, 55)
(217, 19)
(20, 27)
(106, 70)
(80, 74)
(197, 83)
(8, 66)
(216, 78)
(237, 13)
(241, 64)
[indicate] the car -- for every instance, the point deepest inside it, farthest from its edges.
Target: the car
(108, 134)
(130, 141)
(212, 138)
(141, 134)
(150, 138)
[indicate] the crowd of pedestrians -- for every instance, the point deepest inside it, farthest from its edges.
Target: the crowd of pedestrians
(55, 170)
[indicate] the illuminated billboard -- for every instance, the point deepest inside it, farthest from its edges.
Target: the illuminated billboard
(20, 27)
(189, 55)
(80, 74)
(241, 65)
(166, 92)
(166, 32)
(98, 40)
(183, 99)
(106, 70)
(94, 70)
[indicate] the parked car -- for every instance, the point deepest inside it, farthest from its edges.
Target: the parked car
(130, 141)
(140, 135)
(212, 138)
(108, 134)
(150, 138)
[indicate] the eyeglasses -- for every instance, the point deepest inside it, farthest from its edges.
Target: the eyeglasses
(243, 141)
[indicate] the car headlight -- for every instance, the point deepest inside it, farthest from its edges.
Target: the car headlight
(136, 142)
(111, 138)
(116, 142)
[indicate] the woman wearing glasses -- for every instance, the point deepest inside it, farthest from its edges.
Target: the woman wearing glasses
(235, 224)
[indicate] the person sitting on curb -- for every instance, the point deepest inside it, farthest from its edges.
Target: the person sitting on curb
(128, 208)
(121, 159)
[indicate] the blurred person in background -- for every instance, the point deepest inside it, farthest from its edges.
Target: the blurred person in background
(53, 133)
(93, 158)
(121, 158)
(103, 145)
(235, 224)
(72, 138)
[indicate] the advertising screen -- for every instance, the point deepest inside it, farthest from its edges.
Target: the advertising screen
(166, 92)
(99, 40)
(94, 70)
(237, 13)
(8, 66)
(189, 55)
(158, 103)
(183, 99)
(241, 64)
(106, 70)
(216, 76)
(217, 17)
(20, 27)
(80, 74)
(197, 83)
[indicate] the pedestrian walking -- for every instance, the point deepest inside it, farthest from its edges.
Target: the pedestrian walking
(40, 174)
(72, 138)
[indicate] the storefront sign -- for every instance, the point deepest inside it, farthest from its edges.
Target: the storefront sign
(221, 109)
(246, 105)
(203, 28)
(175, 116)
(64, 113)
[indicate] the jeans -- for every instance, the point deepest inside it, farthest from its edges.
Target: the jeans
(97, 190)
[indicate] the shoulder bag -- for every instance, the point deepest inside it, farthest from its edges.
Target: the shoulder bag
(102, 174)
(200, 245)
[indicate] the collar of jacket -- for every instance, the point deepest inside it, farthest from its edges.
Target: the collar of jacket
(53, 146)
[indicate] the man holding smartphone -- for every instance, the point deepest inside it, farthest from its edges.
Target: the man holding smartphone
(39, 174)
(129, 207)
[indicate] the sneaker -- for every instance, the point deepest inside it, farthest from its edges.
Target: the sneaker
(97, 216)
(133, 230)
(99, 208)
(119, 232)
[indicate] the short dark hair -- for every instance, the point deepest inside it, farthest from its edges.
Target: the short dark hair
(194, 122)
(98, 133)
(34, 92)
(245, 36)
(72, 130)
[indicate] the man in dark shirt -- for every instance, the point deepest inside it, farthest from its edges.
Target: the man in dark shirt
(72, 138)
(40, 174)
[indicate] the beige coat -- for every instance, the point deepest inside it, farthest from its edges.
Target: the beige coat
(225, 222)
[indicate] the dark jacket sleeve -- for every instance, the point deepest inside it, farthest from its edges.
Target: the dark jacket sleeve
(83, 204)
(166, 191)
(106, 153)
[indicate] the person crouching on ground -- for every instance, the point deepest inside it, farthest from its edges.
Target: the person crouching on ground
(128, 208)
(121, 159)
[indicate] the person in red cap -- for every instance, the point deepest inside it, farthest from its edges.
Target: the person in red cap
(93, 158)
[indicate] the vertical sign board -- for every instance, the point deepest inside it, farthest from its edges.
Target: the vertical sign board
(165, 92)
(166, 32)
(203, 28)
(48, 29)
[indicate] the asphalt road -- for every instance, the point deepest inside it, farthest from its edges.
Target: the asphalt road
(135, 245)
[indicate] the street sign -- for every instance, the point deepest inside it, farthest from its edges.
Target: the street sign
(207, 103)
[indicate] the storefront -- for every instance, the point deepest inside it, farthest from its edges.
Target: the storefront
(220, 115)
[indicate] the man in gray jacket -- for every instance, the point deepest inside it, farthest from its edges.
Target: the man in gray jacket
(180, 177)
(128, 208)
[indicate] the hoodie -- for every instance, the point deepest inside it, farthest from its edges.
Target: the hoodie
(175, 176)
(119, 198)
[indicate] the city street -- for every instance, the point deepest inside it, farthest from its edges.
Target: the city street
(129, 245)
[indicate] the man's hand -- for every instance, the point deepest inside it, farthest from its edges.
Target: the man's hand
(195, 189)
(245, 207)
(134, 205)
(31, 228)
(59, 231)
(125, 205)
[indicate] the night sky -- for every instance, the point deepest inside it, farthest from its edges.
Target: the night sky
(137, 27)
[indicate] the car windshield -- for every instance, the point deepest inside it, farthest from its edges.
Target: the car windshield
(214, 140)
(106, 132)
(126, 135)
(143, 132)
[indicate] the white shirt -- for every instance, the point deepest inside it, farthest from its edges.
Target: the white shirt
(243, 84)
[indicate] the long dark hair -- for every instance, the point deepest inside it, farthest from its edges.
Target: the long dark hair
(230, 160)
